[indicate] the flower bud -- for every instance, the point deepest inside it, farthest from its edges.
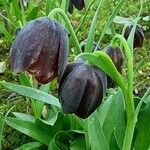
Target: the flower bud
(41, 48)
(138, 37)
(116, 56)
(79, 4)
(81, 89)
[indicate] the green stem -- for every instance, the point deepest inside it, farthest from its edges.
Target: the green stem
(69, 26)
(129, 103)
(64, 5)
(110, 20)
(84, 17)
(129, 134)
(86, 122)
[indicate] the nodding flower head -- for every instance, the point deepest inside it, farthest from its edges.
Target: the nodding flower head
(117, 57)
(81, 89)
(138, 37)
(41, 48)
(79, 4)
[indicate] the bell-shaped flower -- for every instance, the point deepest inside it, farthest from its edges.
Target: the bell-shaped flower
(138, 36)
(82, 89)
(117, 57)
(79, 4)
(41, 48)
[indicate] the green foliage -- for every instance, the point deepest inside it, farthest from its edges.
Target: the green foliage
(30, 146)
(113, 123)
(2, 122)
(142, 140)
(95, 134)
(31, 93)
(122, 121)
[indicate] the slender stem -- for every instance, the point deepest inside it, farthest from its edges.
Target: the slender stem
(129, 134)
(64, 5)
(69, 26)
(129, 58)
(110, 20)
(131, 116)
(84, 17)
(86, 123)
(141, 8)
(130, 108)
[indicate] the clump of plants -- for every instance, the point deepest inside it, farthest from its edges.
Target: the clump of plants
(96, 107)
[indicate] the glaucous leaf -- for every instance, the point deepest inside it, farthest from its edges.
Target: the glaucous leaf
(112, 116)
(142, 141)
(31, 93)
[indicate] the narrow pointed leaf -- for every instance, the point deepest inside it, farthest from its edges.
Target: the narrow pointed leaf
(142, 141)
(95, 133)
(31, 93)
(39, 132)
(30, 146)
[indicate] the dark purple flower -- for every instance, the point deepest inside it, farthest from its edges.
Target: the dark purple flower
(117, 57)
(79, 4)
(41, 48)
(81, 89)
(138, 37)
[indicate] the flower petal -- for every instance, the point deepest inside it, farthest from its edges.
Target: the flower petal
(93, 94)
(72, 89)
(63, 52)
(79, 4)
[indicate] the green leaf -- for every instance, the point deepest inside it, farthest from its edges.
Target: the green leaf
(146, 18)
(110, 19)
(90, 39)
(51, 119)
(122, 20)
(37, 106)
(104, 62)
(40, 132)
(2, 123)
(142, 141)
(4, 31)
(31, 93)
(23, 116)
(62, 140)
(17, 9)
(24, 80)
(112, 116)
(113, 142)
(50, 4)
(33, 13)
(130, 39)
(38, 129)
(78, 144)
(104, 109)
(96, 137)
(30, 146)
